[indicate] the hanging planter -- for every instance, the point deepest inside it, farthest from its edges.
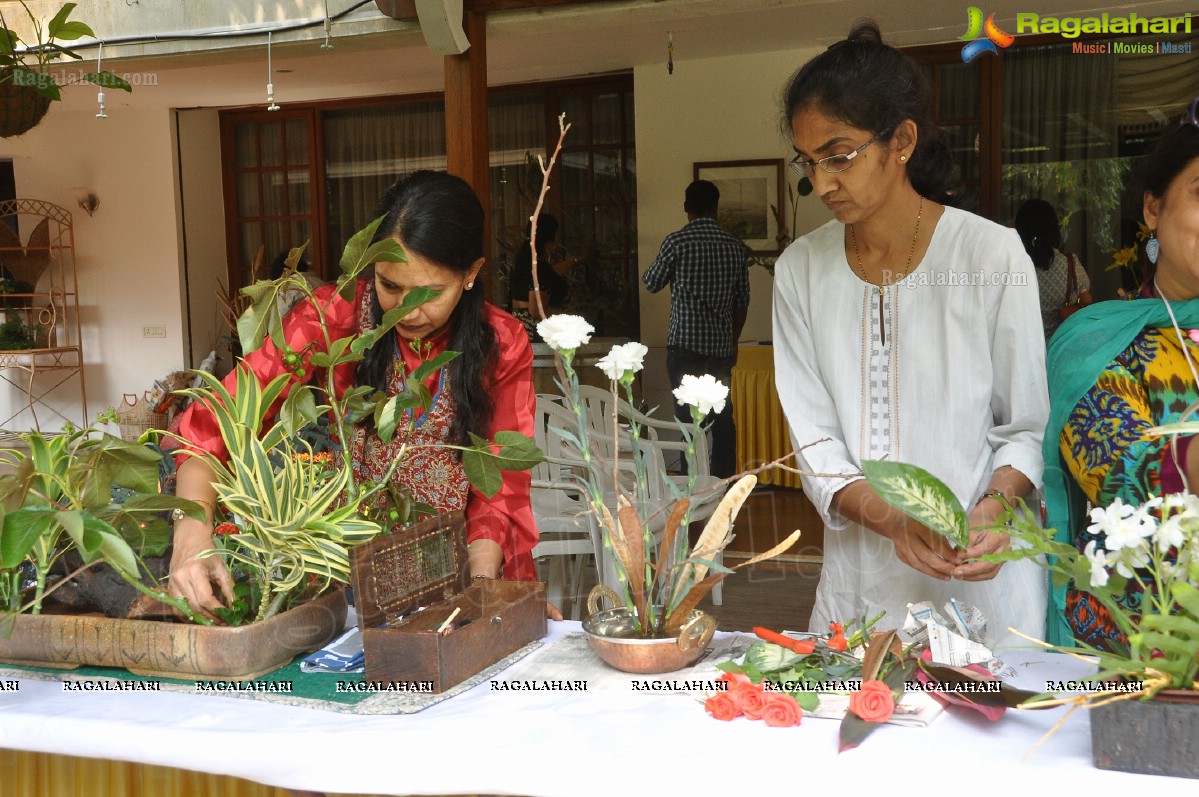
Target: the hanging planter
(21, 107)
(26, 87)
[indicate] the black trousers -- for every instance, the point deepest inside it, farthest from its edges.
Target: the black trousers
(680, 362)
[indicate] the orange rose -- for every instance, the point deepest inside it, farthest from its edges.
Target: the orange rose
(781, 710)
(874, 702)
(749, 698)
(734, 678)
(722, 707)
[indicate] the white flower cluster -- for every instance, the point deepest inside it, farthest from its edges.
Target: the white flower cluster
(566, 333)
(1137, 540)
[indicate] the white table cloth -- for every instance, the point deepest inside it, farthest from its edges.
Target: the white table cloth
(563, 743)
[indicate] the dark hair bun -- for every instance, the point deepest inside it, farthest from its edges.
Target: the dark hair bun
(875, 88)
(864, 31)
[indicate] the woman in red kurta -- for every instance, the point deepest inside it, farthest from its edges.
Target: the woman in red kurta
(438, 221)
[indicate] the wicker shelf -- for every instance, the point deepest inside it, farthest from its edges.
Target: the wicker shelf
(37, 247)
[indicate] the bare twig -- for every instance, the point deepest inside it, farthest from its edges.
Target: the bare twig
(545, 187)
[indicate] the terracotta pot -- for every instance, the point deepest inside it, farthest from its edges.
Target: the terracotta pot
(1150, 737)
(21, 108)
(175, 650)
(612, 635)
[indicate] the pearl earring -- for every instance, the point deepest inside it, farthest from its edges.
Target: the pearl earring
(903, 158)
(470, 285)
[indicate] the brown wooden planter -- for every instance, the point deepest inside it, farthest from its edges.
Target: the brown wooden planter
(21, 108)
(175, 650)
(1150, 737)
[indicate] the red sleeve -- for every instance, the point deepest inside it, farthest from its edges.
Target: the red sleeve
(507, 517)
(300, 326)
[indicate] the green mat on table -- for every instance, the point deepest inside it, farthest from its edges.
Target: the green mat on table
(311, 690)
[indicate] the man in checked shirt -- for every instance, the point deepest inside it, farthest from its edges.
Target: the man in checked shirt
(707, 270)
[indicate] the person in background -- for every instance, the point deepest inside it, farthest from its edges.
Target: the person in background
(1116, 370)
(1061, 278)
(707, 270)
(908, 331)
(438, 221)
(553, 264)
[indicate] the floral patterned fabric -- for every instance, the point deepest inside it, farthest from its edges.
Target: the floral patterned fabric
(434, 475)
(1107, 450)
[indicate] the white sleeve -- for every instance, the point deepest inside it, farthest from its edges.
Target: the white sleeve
(806, 399)
(1020, 396)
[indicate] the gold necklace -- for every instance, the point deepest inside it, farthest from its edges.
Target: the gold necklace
(861, 272)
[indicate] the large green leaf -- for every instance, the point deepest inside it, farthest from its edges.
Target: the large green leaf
(767, 657)
(921, 495)
(412, 300)
(351, 257)
(108, 80)
(21, 531)
(517, 452)
(426, 368)
(482, 472)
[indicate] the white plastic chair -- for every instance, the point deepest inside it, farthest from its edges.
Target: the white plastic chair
(568, 530)
(664, 490)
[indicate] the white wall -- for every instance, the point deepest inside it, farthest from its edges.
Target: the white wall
(202, 211)
(127, 254)
(714, 110)
(710, 110)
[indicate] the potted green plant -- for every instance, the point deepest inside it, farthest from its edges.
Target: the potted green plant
(26, 86)
(1145, 707)
(16, 335)
(287, 515)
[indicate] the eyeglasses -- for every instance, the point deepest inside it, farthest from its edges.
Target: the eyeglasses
(833, 163)
(1191, 117)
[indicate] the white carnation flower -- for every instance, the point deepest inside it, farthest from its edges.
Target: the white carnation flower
(565, 331)
(625, 358)
(1098, 560)
(705, 393)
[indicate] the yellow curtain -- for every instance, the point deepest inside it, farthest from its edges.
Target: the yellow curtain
(762, 431)
(49, 775)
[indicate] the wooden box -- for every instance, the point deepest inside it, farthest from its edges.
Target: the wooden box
(426, 565)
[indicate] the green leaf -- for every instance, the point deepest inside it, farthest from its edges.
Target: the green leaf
(58, 20)
(482, 472)
(108, 80)
(299, 409)
(853, 730)
(21, 531)
(351, 256)
(426, 368)
(767, 657)
(920, 495)
(412, 300)
(517, 452)
(41, 83)
(70, 31)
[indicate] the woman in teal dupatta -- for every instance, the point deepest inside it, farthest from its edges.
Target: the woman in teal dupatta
(1117, 369)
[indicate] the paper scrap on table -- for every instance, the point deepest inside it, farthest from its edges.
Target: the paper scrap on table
(344, 654)
(957, 641)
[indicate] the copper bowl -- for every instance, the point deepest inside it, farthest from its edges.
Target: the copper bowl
(612, 634)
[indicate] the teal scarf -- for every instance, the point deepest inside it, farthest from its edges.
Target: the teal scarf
(1082, 348)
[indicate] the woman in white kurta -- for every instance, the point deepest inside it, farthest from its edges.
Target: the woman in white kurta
(909, 331)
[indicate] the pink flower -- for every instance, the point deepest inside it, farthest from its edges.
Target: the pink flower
(873, 702)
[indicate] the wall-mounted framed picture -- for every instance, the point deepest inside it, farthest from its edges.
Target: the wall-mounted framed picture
(751, 196)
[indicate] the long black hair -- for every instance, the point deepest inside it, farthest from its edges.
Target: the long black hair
(439, 217)
(1037, 223)
(874, 87)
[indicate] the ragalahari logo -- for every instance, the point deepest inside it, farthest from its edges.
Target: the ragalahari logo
(975, 27)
